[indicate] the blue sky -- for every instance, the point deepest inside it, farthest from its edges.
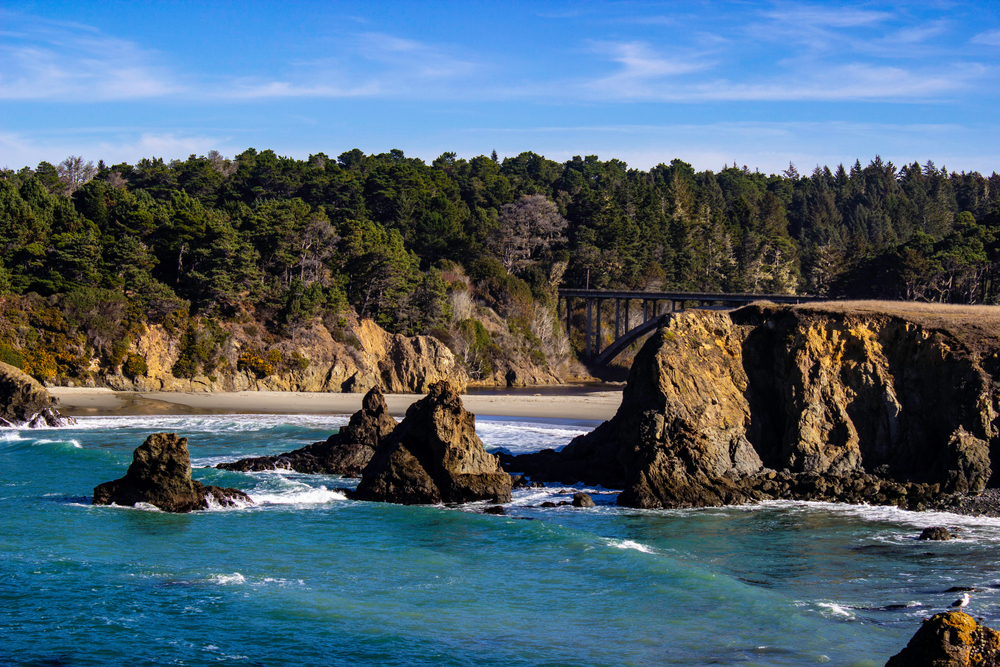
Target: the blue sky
(712, 83)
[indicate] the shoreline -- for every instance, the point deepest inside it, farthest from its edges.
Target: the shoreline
(594, 406)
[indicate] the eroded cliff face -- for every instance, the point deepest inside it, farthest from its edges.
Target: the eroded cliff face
(836, 393)
(773, 401)
(370, 357)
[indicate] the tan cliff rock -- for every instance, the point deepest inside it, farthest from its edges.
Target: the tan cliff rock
(835, 401)
(369, 357)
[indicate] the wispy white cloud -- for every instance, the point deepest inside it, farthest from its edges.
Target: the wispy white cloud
(19, 150)
(48, 60)
(990, 38)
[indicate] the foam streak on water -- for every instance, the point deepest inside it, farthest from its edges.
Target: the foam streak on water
(305, 576)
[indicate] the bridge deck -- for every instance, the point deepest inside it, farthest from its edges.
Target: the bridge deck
(676, 301)
(687, 296)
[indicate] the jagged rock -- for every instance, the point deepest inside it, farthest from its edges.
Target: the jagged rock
(839, 406)
(495, 509)
(345, 453)
(160, 474)
(583, 500)
(950, 639)
(434, 456)
(939, 533)
(679, 437)
(25, 402)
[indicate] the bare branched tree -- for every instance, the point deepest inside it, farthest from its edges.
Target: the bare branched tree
(74, 172)
(528, 227)
(221, 164)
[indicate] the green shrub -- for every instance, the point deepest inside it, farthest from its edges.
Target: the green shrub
(9, 355)
(259, 363)
(135, 366)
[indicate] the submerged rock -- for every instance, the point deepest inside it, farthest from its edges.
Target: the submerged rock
(160, 474)
(939, 533)
(950, 639)
(434, 456)
(25, 402)
(344, 453)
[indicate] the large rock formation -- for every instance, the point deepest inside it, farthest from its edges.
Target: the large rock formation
(950, 639)
(24, 402)
(434, 456)
(345, 453)
(863, 407)
(160, 474)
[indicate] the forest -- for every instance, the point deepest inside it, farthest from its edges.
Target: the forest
(92, 252)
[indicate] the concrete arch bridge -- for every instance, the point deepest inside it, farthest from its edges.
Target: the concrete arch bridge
(655, 307)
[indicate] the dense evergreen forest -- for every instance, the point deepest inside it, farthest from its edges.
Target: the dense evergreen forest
(279, 241)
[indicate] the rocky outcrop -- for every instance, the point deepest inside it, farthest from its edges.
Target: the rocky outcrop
(782, 402)
(344, 453)
(25, 402)
(938, 533)
(434, 456)
(950, 639)
(160, 475)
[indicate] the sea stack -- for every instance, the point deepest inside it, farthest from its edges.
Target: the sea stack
(160, 474)
(434, 456)
(802, 402)
(950, 639)
(25, 402)
(344, 453)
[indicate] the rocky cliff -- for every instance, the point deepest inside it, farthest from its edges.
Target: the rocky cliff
(352, 359)
(795, 402)
(24, 402)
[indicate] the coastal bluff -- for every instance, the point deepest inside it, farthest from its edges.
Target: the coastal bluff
(878, 404)
(25, 402)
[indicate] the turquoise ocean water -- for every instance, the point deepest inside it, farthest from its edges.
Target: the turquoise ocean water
(306, 577)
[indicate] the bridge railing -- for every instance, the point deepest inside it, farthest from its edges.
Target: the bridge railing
(654, 305)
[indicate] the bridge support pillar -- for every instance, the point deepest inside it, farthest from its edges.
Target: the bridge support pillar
(590, 312)
(618, 318)
(626, 317)
(597, 338)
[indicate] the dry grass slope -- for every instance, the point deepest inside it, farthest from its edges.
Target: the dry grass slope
(975, 327)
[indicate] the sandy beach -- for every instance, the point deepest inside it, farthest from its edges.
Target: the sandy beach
(77, 401)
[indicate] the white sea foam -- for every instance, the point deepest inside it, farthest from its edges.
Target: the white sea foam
(832, 609)
(227, 579)
(520, 437)
(222, 423)
(971, 528)
(309, 496)
(630, 544)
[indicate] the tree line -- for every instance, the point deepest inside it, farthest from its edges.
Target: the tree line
(284, 240)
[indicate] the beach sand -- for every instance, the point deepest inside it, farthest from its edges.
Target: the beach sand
(77, 401)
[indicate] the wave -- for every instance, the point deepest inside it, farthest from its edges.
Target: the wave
(631, 544)
(520, 437)
(224, 423)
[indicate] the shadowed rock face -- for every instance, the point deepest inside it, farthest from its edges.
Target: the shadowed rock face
(866, 408)
(160, 474)
(345, 453)
(434, 456)
(24, 402)
(951, 639)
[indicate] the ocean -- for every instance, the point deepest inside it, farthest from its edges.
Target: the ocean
(307, 577)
